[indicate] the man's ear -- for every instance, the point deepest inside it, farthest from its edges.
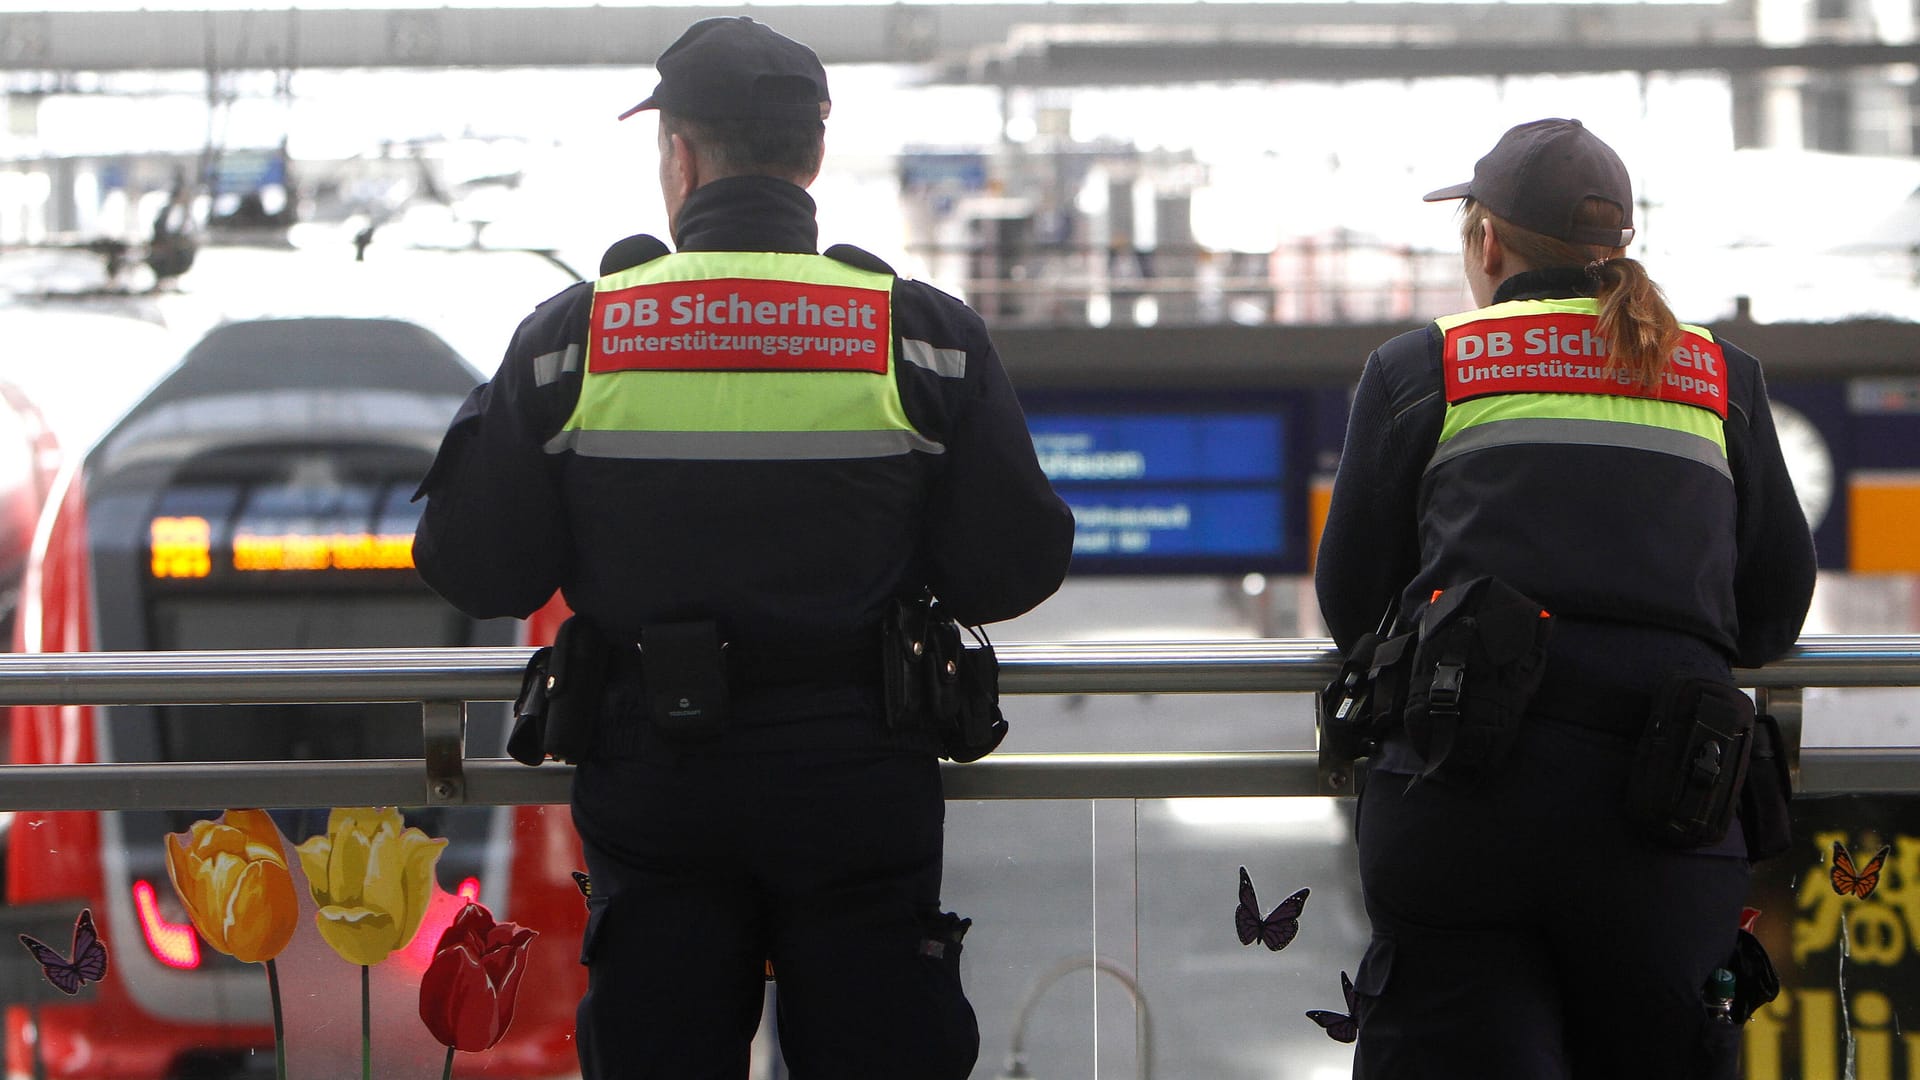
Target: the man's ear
(683, 165)
(1493, 255)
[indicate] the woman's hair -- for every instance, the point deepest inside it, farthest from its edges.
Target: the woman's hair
(1639, 328)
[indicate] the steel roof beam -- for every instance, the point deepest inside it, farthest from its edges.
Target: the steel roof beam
(1018, 43)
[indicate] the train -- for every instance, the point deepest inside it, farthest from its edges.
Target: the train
(258, 496)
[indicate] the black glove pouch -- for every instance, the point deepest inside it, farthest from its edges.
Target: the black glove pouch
(1364, 700)
(1755, 983)
(940, 695)
(1691, 763)
(685, 673)
(558, 708)
(1481, 654)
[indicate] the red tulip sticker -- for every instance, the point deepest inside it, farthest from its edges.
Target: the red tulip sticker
(468, 991)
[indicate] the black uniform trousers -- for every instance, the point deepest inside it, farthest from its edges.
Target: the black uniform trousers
(1522, 931)
(705, 865)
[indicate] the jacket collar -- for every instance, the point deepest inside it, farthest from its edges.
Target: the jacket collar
(748, 213)
(1555, 282)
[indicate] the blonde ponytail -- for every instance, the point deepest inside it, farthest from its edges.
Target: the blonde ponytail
(1639, 328)
(1634, 320)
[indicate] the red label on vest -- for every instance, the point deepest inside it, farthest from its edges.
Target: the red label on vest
(741, 324)
(1562, 353)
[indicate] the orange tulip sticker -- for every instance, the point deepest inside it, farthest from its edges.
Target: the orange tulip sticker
(233, 877)
(467, 994)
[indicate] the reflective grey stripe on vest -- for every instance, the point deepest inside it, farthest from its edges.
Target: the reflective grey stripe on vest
(548, 368)
(740, 445)
(1528, 430)
(946, 363)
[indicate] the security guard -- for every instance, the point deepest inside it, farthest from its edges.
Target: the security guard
(774, 445)
(1575, 442)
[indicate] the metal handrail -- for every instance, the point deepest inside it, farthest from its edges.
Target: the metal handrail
(443, 678)
(1254, 665)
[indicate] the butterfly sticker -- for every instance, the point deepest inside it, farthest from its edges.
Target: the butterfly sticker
(584, 883)
(1277, 929)
(1848, 881)
(89, 963)
(1340, 1027)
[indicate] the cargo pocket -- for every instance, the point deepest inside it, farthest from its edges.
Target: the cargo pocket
(1717, 1052)
(1370, 982)
(958, 1044)
(596, 917)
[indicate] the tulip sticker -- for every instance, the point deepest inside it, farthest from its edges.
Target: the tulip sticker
(467, 994)
(233, 877)
(372, 877)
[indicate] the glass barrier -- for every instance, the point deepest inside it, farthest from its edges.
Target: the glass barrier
(1104, 939)
(1104, 942)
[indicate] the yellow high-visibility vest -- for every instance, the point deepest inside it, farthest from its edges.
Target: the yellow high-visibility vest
(1536, 371)
(743, 356)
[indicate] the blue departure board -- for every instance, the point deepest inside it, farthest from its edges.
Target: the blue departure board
(1184, 489)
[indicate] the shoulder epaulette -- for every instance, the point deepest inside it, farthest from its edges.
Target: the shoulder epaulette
(630, 252)
(859, 258)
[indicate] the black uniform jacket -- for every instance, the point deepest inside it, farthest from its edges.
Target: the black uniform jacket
(780, 553)
(1652, 563)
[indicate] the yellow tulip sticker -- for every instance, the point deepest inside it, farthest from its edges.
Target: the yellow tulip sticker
(232, 876)
(372, 877)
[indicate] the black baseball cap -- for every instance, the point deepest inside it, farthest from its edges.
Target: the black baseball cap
(1539, 173)
(733, 68)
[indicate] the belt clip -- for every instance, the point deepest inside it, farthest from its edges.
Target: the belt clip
(1444, 695)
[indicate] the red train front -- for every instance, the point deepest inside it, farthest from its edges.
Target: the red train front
(258, 498)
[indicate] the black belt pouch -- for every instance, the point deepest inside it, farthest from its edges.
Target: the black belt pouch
(686, 679)
(1765, 810)
(940, 695)
(1691, 763)
(1480, 658)
(526, 742)
(561, 691)
(1364, 701)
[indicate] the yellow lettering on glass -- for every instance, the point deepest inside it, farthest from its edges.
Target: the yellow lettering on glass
(181, 547)
(1873, 1050)
(334, 551)
(1866, 1052)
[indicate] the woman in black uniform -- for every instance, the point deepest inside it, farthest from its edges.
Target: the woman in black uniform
(1573, 440)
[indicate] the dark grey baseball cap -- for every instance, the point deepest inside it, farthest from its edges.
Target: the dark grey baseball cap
(1539, 173)
(735, 68)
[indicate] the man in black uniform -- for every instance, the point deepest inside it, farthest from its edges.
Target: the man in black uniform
(774, 445)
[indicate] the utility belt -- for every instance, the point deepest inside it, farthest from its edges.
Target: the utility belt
(1457, 683)
(588, 690)
(1460, 684)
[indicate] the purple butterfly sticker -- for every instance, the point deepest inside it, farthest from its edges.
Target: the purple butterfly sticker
(1275, 930)
(1340, 1027)
(89, 963)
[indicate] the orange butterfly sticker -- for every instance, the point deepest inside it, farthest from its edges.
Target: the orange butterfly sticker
(1848, 881)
